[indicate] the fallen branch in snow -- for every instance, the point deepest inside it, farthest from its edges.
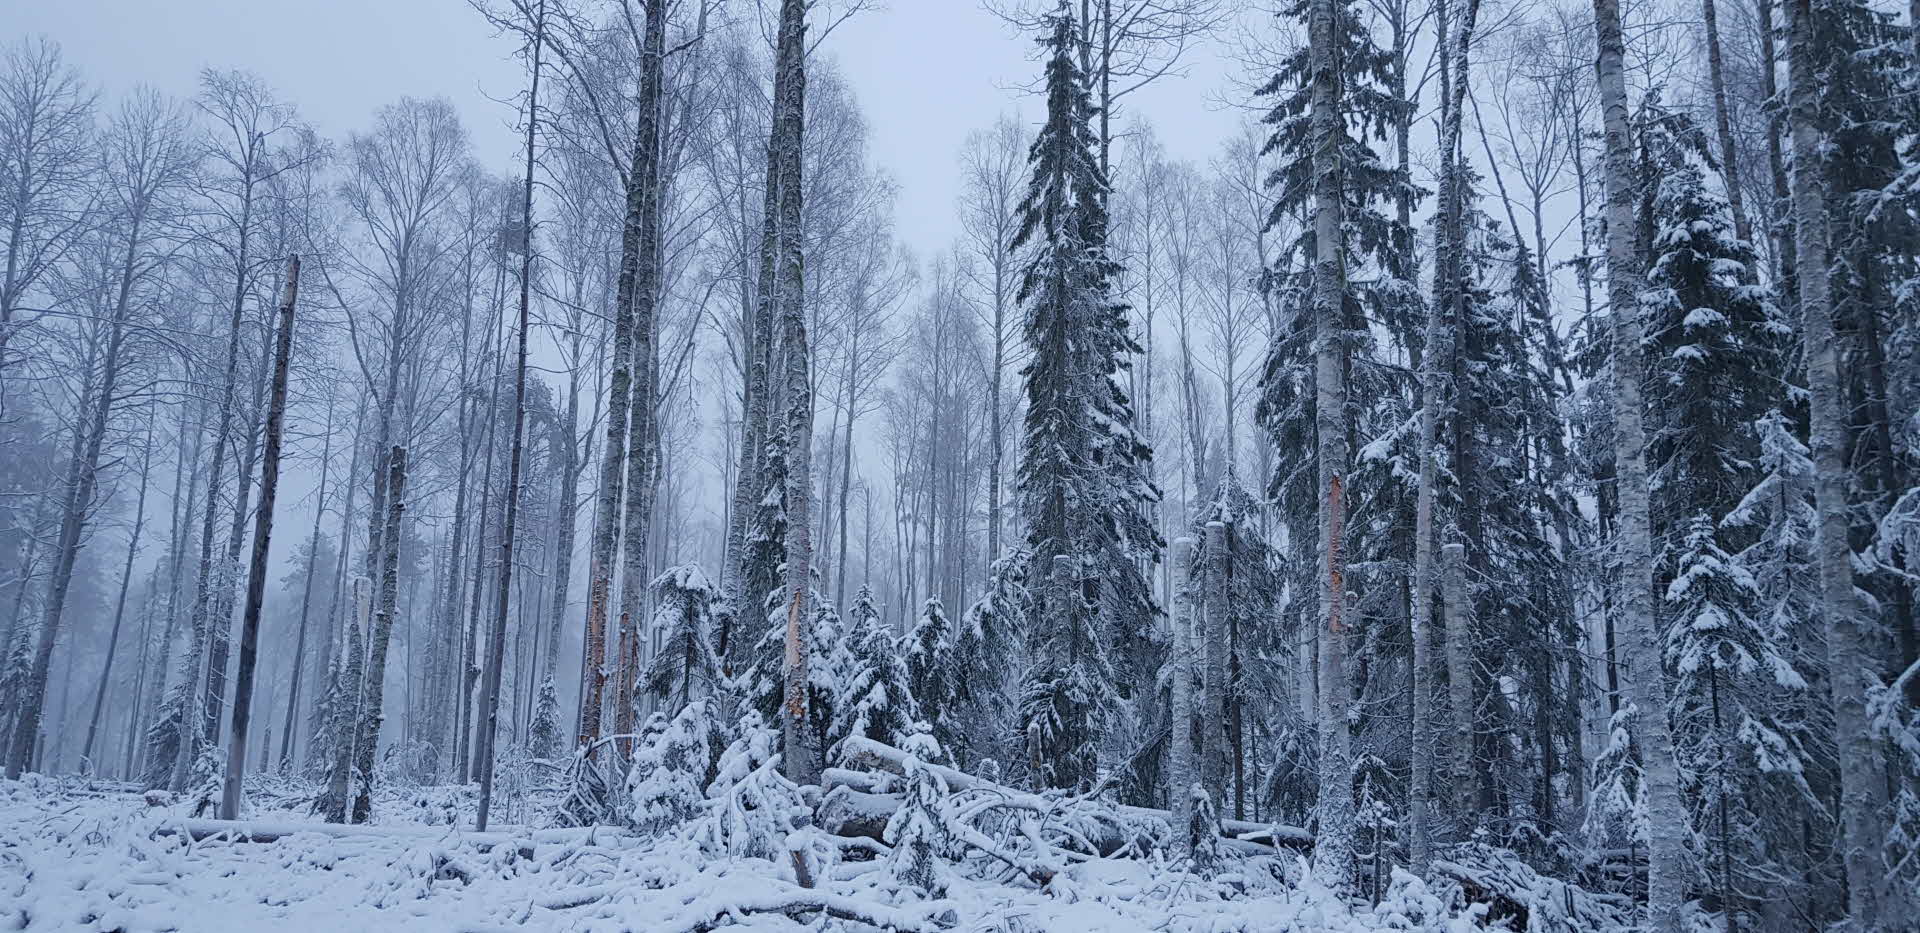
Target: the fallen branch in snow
(712, 913)
(269, 831)
(864, 756)
(1512, 890)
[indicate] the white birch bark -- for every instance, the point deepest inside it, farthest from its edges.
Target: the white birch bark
(1180, 777)
(366, 742)
(1666, 818)
(1849, 634)
(1453, 564)
(1213, 667)
(801, 761)
(1333, 850)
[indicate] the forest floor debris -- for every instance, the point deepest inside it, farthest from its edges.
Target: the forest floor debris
(75, 857)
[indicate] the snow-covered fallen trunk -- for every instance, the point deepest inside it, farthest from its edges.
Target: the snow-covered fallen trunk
(859, 806)
(274, 830)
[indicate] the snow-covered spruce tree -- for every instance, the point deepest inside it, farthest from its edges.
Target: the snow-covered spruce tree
(930, 672)
(1714, 342)
(1082, 484)
(1516, 580)
(766, 682)
(666, 786)
(751, 807)
(876, 699)
(919, 835)
(686, 667)
(1252, 587)
(989, 646)
(544, 738)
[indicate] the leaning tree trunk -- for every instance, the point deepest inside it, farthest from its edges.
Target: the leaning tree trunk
(1849, 633)
(1666, 818)
(262, 534)
(1333, 851)
(373, 691)
(497, 643)
(220, 640)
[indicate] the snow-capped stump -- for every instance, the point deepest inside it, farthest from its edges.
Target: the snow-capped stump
(158, 798)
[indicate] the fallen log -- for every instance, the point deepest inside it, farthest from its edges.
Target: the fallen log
(266, 831)
(862, 756)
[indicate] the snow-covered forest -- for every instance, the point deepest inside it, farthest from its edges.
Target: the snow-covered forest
(1481, 490)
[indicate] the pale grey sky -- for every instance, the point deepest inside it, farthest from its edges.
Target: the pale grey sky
(926, 72)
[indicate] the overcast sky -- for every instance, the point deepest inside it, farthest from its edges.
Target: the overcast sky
(926, 72)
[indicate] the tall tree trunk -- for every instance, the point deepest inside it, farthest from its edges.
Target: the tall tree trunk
(306, 596)
(366, 741)
(1776, 159)
(262, 534)
(801, 759)
(227, 574)
(120, 602)
(569, 517)
(497, 642)
(1849, 633)
(1453, 570)
(846, 480)
(639, 291)
(1666, 818)
(1213, 667)
(1333, 850)
(1181, 779)
(1723, 125)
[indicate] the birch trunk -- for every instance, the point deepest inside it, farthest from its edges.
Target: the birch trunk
(1333, 852)
(569, 517)
(638, 296)
(1723, 125)
(1849, 632)
(497, 642)
(220, 643)
(1453, 570)
(380, 633)
(262, 534)
(1213, 667)
(1180, 784)
(1666, 819)
(801, 759)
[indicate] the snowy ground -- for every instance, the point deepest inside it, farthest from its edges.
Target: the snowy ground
(76, 856)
